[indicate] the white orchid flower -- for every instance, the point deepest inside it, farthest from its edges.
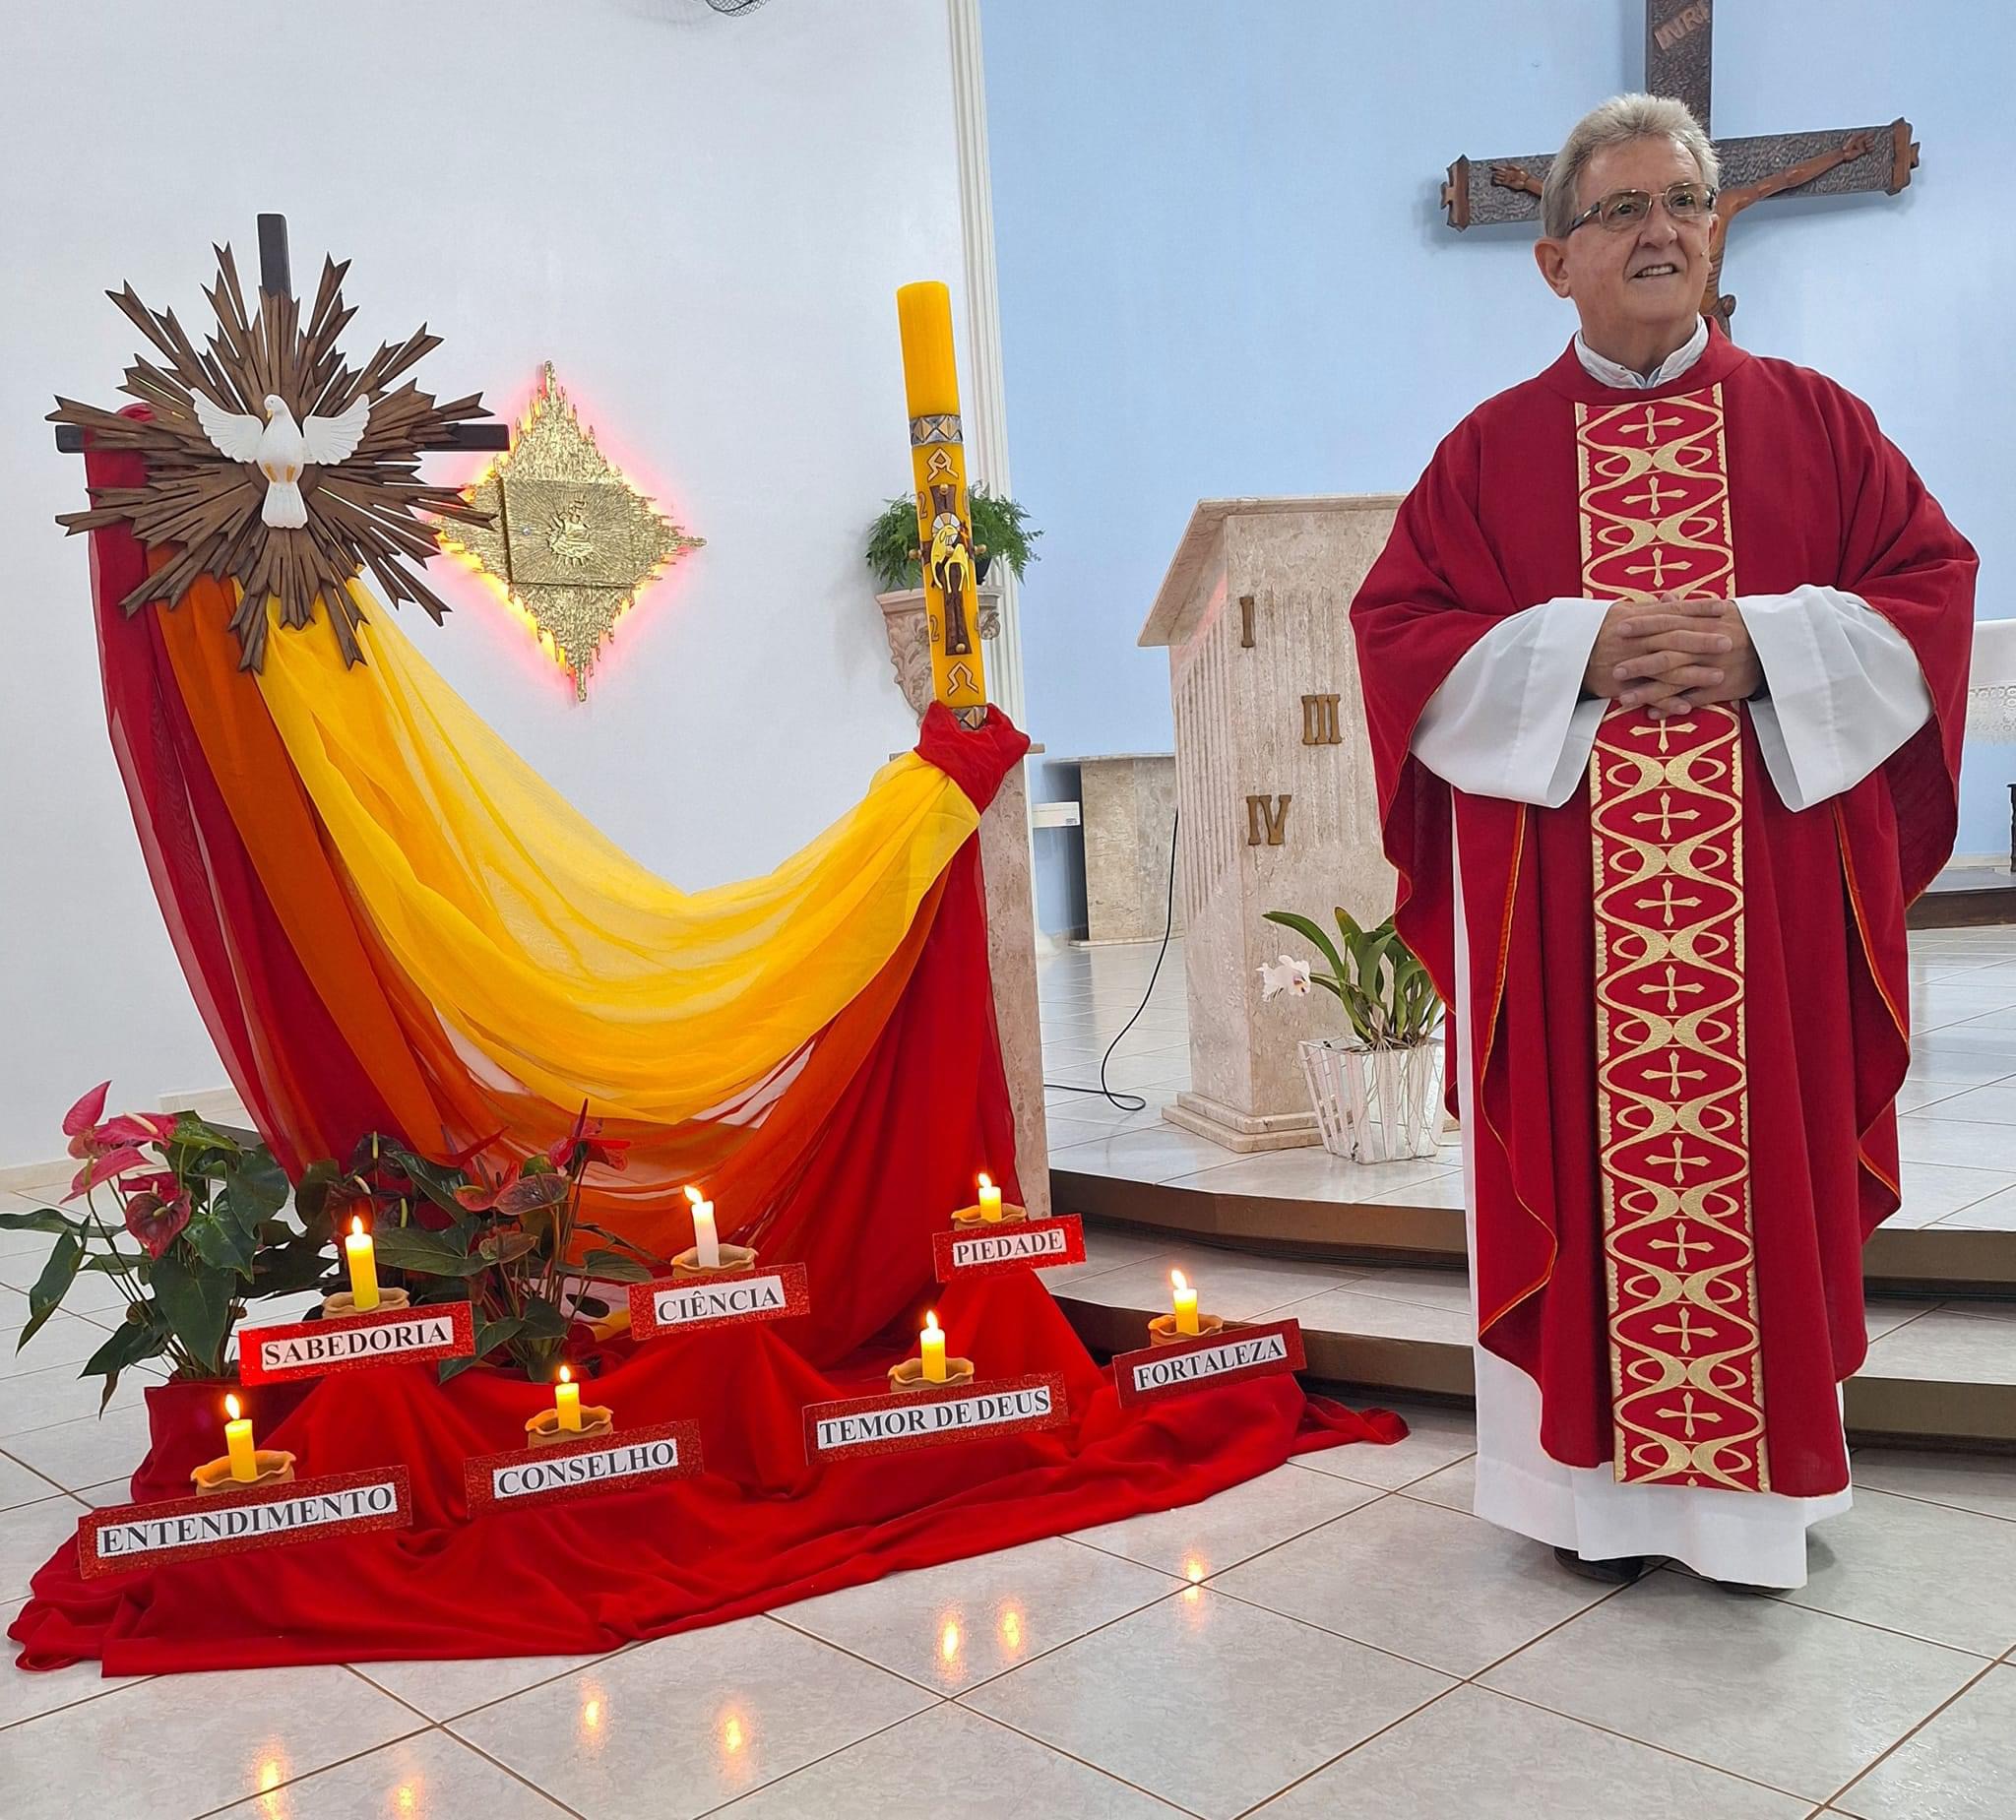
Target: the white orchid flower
(1288, 975)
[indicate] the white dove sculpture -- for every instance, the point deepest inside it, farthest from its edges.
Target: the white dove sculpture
(279, 448)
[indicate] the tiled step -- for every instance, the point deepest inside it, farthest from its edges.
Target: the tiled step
(1941, 1373)
(1398, 1223)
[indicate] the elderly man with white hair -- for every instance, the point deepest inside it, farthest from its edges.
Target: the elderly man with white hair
(1665, 667)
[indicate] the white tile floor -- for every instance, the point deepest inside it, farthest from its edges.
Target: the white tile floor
(1340, 1638)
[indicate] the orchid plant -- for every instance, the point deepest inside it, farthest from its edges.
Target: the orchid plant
(505, 1243)
(1384, 988)
(203, 1213)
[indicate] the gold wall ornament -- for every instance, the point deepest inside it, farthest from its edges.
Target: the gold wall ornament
(570, 541)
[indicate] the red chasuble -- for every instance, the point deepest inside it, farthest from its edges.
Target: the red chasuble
(1689, 1017)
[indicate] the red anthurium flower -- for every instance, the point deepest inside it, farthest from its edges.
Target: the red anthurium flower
(83, 1117)
(136, 1128)
(586, 1140)
(154, 1218)
(102, 1169)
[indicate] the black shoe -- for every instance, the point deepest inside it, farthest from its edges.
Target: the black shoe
(1619, 1572)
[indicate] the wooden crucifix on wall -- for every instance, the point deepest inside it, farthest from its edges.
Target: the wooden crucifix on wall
(1679, 39)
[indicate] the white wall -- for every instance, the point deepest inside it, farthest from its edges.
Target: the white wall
(701, 221)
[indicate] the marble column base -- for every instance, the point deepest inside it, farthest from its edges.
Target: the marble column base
(1243, 1131)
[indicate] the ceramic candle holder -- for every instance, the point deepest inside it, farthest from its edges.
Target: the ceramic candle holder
(734, 1260)
(1161, 1331)
(342, 1302)
(274, 1467)
(909, 1374)
(544, 1430)
(973, 1217)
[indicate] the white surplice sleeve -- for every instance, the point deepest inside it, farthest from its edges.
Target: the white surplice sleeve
(1846, 690)
(1509, 720)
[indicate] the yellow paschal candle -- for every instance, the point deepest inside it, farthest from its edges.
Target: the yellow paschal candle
(930, 376)
(567, 1400)
(239, 1444)
(363, 1262)
(931, 1349)
(990, 1198)
(1185, 1302)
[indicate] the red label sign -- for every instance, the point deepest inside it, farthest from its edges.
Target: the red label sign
(602, 1463)
(1216, 1359)
(384, 1337)
(985, 1250)
(717, 1298)
(857, 1427)
(125, 1536)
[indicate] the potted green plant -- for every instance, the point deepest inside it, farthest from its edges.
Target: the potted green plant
(514, 1245)
(1000, 533)
(1377, 1096)
(190, 1223)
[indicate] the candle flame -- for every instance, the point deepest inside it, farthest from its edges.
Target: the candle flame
(356, 1227)
(986, 1181)
(232, 1408)
(693, 1194)
(566, 1376)
(930, 1320)
(1180, 1281)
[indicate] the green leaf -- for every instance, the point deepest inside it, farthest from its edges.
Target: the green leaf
(504, 1247)
(311, 1192)
(490, 1335)
(289, 1268)
(429, 1254)
(542, 1320)
(58, 1274)
(131, 1341)
(257, 1188)
(196, 1304)
(1313, 936)
(221, 1242)
(40, 1219)
(614, 1267)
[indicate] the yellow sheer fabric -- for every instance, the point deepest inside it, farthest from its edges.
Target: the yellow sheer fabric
(577, 973)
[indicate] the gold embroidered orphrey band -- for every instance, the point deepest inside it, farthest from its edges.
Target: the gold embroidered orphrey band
(1666, 813)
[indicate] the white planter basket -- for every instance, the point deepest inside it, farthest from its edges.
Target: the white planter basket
(1376, 1105)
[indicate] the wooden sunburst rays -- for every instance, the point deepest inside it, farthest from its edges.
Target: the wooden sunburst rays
(361, 512)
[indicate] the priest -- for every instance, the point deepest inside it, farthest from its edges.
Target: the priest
(1664, 666)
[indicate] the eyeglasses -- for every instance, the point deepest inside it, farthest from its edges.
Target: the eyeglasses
(1622, 209)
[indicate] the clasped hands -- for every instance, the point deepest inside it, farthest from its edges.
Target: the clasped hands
(1670, 655)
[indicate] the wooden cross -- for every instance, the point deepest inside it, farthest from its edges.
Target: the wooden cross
(276, 276)
(1844, 162)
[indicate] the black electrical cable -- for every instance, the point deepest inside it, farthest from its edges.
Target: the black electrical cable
(1134, 1103)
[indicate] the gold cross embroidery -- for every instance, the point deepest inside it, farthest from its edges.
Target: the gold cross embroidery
(1679, 1163)
(1685, 1327)
(1688, 1415)
(1667, 902)
(1662, 732)
(1649, 429)
(1681, 1245)
(1656, 568)
(1652, 485)
(1672, 989)
(1674, 1074)
(1667, 815)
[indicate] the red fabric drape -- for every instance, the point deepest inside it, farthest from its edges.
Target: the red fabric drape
(758, 1528)
(898, 1105)
(1816, 495)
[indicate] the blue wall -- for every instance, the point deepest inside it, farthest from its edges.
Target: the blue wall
(1223, 270)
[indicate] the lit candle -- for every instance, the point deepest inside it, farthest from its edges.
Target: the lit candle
(706, 1241)
(1186, 1303)
(931, 1345)
(239, 1444)
(990, 1198)
(567, 1400)
(363, 1263)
